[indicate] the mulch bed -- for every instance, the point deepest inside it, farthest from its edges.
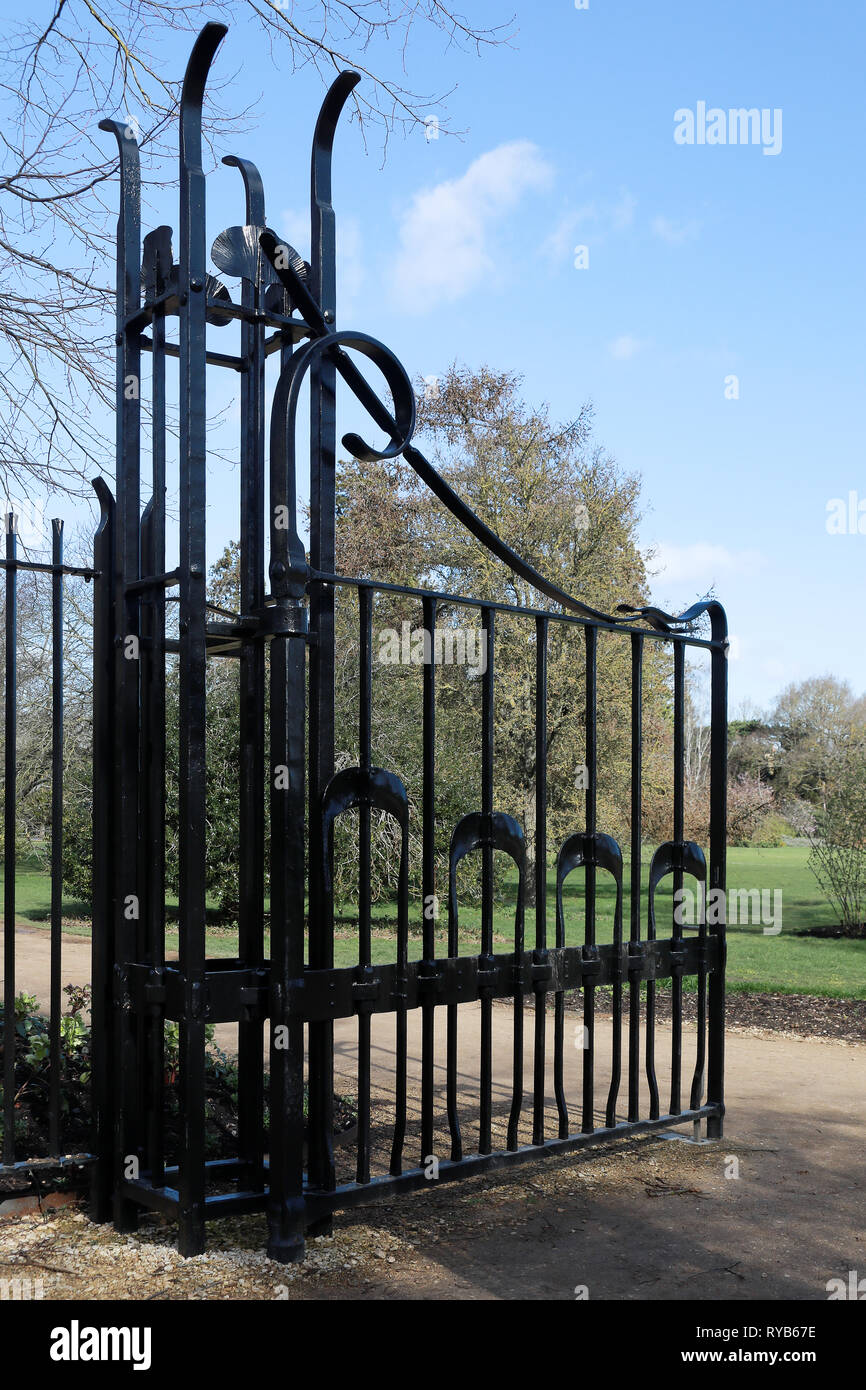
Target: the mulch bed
(808, 1015)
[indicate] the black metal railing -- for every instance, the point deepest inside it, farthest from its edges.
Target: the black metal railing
(15, 1155)
(539, 972)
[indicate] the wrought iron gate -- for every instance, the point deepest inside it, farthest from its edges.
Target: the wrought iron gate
(283, 637)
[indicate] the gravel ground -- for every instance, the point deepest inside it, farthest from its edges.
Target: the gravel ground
(77, 1260)
(405, 1244)
(644, 1219)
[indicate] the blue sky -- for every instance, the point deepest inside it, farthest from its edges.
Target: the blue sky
(705, 262)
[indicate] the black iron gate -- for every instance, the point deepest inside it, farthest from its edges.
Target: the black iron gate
(284, 639)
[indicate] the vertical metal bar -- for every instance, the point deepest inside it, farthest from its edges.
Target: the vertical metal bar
(650, 1044)
(637, 643)
(125, 861)
(559, 1035)
(677, 931)
(517, 1049)
(559, 1039)
(540, 851)
(102, 942)
(451, 1024)
(286, 1202)
(428, 883)
(718, 851)
(323, 441)
(365, 661)
(56, 831)
(152, 822)
(486, 1078)
(701, 1026)
(287, 715)
(616, 1021)
(252, 693)
(157, 260)
(588, 1120)
(192, 621)
(10, 769)
(400, 1078)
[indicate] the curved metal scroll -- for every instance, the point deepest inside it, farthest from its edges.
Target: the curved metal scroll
(603, 851)
(289, 570)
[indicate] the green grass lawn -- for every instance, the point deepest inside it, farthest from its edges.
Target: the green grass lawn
(790, 962)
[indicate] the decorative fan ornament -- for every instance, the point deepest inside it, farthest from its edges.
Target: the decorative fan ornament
(237, 252)
(156, 262)
(215, 289)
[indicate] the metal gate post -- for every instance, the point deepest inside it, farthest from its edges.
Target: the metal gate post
(125, 857)
(102, 943)
(718, 853)
(193, 655)
(323, 439)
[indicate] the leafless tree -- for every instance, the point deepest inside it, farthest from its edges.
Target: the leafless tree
(64, 67)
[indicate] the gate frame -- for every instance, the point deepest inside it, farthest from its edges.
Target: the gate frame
(135, 991)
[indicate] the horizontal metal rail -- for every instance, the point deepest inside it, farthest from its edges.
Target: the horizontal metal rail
(232, 992)
(516, 609)
(78, 571)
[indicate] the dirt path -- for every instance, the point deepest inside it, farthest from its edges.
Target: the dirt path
(647, 1219)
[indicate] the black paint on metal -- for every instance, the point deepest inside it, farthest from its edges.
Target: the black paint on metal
(283, 638)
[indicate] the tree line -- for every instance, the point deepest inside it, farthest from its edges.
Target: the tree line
(554, 494)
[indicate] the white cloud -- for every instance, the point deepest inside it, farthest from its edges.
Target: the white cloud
(593, 221)
(702, 564)
(624, 347)
(558, 245)
(448, 240)
(674, 233)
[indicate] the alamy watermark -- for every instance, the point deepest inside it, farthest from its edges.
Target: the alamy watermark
(737, 907)
(21, 1290)
(846, 516)
(450, 646)
(737, 126)
(854, 1289)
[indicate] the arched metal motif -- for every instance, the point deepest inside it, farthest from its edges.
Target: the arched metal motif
(601, 851)
(283, 637)
(486, 831)
(375, 789)
(677, 857)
